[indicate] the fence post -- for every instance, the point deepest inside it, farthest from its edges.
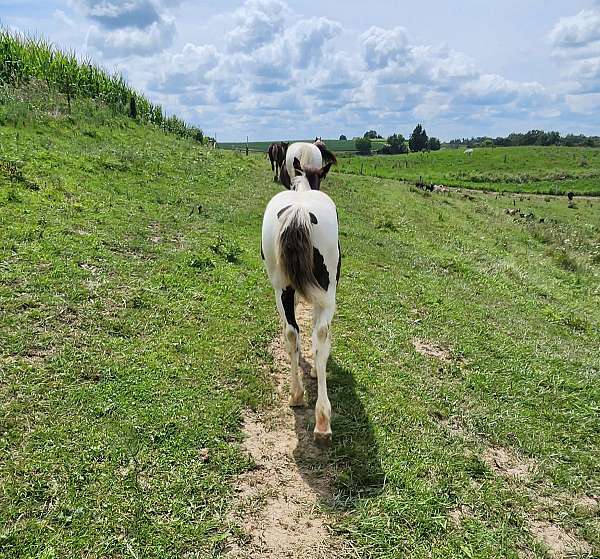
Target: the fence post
(246, 146)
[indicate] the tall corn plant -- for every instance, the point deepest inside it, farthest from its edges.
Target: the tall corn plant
(24, 58)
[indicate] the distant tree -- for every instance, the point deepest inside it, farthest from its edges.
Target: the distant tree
(487, 143)
(418, 139)
(343, 138)
(363, 146)
(395, 144)
(433, 144)
(372, 135)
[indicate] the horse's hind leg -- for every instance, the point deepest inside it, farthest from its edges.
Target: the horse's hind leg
(321, 340)
(291, 336)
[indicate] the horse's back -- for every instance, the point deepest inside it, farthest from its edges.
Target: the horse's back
(324, 233)
(309, 155)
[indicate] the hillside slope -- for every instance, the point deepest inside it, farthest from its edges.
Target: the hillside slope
(136, 318)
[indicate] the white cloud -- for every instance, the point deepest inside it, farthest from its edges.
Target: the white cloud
(61, 16)
(189, 70)
(492, 89)
(578, 30)
(576, 42)
(584, 104)
(275, 71)
(381, 47)
(127, 41)
(256, 23)
(115, 14)
(122, 28)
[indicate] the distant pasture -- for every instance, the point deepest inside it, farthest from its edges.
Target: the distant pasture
(541, 170)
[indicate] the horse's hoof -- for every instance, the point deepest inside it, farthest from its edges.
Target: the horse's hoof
(297, 401)
(275, 179)
(323, 440)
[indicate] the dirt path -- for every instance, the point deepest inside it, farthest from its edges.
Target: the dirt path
(278, 502)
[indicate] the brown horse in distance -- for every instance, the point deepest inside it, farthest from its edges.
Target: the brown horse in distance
(277, 157)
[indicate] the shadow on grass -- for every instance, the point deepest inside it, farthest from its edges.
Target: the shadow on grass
(351, 468)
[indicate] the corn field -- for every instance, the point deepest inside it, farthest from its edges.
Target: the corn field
(23, 59)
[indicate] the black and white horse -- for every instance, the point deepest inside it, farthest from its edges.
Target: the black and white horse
(302, 256)
(309, 155)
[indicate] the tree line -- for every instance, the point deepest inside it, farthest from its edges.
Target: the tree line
(396, 143)
(530, 138)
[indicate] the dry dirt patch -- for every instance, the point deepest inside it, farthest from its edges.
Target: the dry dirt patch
(430, 349)
(458, 514)
(557, 540)
(277, 503)
(507, 464)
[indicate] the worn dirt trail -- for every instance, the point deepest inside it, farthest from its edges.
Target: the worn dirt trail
(278, 502)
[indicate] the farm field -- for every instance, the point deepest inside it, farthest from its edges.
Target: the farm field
(339, 146)
(542, 170)
(136, 321)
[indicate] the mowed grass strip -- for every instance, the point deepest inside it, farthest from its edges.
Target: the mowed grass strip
(541, 170)
(136, 320)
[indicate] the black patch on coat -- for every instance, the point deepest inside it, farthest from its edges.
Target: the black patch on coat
(313, 176)
(284, 177)
(280, 212)
(313, 218)
(339, 264)
(287, 300)
(321, 272)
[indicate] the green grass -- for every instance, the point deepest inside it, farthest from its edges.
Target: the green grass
(542, 170)
(135, 319)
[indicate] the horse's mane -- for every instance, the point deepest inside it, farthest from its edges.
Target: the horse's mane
(329, 156)
(300, 183)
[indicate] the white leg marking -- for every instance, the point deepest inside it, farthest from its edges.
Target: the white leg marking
(321, 340)
(292, 344)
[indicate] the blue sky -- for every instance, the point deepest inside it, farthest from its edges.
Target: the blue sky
(275, 69)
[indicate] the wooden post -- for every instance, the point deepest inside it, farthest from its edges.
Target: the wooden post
(246, 146)
(361, 167)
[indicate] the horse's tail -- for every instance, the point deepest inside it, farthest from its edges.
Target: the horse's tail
(327, 155)
(296, 249)
(271, 158)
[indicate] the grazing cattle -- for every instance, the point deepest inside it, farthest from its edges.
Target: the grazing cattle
(302, 255)
(277, 156)
(570, 196)
(469, 152)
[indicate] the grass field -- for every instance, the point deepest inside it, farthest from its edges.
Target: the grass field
(135, 320)
(543, 170)
(338, 146)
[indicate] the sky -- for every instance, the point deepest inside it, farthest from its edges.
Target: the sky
(277, 69)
